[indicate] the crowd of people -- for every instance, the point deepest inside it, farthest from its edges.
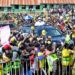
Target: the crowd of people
(39, 55)
(52, 16)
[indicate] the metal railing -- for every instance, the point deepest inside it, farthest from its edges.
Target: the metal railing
(10, 68)
(36, 67)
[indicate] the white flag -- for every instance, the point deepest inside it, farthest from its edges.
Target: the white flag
(5, 34)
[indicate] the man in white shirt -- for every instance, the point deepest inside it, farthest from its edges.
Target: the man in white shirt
(40, 22)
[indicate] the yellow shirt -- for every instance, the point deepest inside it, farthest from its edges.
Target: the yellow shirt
(5, 58)
(65, 52)
(73, 35)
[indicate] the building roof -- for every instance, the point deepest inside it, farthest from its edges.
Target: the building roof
(5, 2)
(34, 2)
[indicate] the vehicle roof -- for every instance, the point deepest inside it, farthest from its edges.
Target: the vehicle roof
(11, 25)
(6, 24)
(42, 27)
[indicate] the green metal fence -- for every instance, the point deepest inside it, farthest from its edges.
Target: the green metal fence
(10, 67)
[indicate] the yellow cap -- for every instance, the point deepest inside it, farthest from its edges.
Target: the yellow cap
(44, 32)
(49, 42)
(32, 27)
(12, 39)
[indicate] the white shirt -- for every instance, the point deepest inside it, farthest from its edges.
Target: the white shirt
(39, 23)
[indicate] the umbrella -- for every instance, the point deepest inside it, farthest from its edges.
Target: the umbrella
(28, 17)
(38, 23)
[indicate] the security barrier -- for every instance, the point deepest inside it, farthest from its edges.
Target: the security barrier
(35, 67)
(10, 68)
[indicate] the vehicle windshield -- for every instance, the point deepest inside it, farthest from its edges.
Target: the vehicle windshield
(50, 32)
(26, 29)
(53, 32)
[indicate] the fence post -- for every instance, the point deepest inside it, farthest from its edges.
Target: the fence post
(1, 67)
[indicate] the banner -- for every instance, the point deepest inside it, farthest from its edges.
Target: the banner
(4, 34)
(51, 59)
